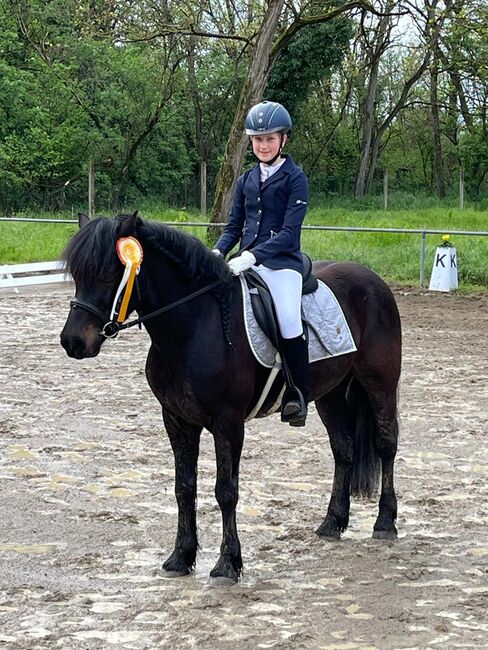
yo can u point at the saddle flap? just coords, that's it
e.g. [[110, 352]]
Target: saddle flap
[[262, 305]]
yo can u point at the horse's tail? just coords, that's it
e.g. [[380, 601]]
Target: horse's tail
[[366, 462]]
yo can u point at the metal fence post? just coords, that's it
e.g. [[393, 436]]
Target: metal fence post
[[422, 259], [91, 189]]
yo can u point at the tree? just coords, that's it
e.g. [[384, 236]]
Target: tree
[[376, 43], [267, 46]]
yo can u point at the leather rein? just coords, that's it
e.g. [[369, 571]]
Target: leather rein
[[111, 328]]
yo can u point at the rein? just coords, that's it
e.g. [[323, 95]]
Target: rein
[[111, 328], [130, 253]]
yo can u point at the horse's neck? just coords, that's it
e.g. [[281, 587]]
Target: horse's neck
[[161, 288]]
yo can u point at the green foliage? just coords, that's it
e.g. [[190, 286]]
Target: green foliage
[[306, 60], [78, 82], [474, 155]]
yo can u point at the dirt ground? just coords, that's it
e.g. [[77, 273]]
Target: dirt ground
[[89, 515]]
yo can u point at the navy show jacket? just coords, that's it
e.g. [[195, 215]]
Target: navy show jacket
[[267, 217]]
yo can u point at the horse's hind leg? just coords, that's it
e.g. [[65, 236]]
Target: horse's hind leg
[[382, 398], [332, 409], [228, 447], [185, 440], [386, 440]]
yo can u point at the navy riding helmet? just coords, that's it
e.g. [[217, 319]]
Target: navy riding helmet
[[268, 117]]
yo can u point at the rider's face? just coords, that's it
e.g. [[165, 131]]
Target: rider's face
[[265, 147]]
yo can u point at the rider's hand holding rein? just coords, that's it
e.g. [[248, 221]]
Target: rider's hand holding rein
[[242, 263]]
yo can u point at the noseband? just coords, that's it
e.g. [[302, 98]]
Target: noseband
[[111, 327]]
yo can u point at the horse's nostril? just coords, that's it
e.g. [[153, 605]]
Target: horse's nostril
[[74, 346]]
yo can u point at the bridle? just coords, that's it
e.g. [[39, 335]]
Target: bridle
[[111, 328], [115, 321]]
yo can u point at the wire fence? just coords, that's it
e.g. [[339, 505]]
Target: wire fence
[[390, 251]]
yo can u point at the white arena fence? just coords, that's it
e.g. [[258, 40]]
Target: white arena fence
[[18, 275], [15, 275]]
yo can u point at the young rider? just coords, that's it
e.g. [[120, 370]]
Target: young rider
[[267, 213]]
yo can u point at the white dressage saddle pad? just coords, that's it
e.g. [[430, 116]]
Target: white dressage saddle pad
[[328, 332]]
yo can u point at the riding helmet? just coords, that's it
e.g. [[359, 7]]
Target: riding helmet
[[268, 117]]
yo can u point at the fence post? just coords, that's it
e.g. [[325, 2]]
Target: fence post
[[461, 188], [203, 187], [91, 189], [422, 260], [385, 189]]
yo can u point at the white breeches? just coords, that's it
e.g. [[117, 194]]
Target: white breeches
[[285, 286]]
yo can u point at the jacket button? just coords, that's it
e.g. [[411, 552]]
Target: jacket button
[[259, 198], [257, 223], [259, 211]]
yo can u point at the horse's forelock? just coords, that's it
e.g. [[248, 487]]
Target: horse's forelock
[[90, 253]]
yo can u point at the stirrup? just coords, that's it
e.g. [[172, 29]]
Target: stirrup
[[294, 409]]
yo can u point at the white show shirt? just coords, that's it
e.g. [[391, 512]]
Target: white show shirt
[[268, 170]]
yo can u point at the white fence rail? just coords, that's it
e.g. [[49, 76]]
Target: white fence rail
[[19, 275]]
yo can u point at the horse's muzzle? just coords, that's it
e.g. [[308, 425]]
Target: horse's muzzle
[[76, 347]]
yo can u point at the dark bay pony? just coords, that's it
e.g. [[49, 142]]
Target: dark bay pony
[[203, 373]]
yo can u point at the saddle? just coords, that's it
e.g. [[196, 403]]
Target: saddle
[[262, 302]]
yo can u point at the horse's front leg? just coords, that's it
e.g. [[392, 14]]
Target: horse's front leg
[[228, 447], [185, 440]]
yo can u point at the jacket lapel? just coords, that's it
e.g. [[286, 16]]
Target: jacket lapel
[[255, 176]]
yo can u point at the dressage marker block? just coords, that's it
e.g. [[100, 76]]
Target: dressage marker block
[[17, 275], [444, 271]]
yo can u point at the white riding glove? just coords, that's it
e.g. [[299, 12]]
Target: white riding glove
[[242, 263], [216, 251]]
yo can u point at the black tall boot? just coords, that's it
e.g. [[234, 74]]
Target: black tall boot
[[294, 403]]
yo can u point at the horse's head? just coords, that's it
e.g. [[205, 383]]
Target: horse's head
[[92, 260]]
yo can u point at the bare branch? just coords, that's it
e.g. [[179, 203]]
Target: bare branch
[[189, 30]]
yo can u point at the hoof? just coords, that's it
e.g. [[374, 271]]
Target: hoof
[[385, 534], [328, 532], [222, 581], [174, 574], [225, 572], [175, 566]]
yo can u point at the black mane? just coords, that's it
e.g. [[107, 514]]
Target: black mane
[[91, 251], [90, 255], [194, 259]]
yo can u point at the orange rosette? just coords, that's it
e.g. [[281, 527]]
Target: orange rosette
[[129, 249]]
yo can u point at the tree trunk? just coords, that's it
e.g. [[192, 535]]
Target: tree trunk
[[380, 45], [203, 187], [200, 143], [367, 131], [251, 93], [436, 130], [373, 161]]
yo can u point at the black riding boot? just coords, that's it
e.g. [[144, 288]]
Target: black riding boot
[[294, 403]]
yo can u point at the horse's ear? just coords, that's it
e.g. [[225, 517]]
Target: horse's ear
[[128, 224], [82, 219]]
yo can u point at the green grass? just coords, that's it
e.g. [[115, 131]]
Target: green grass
[[396, 257]]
